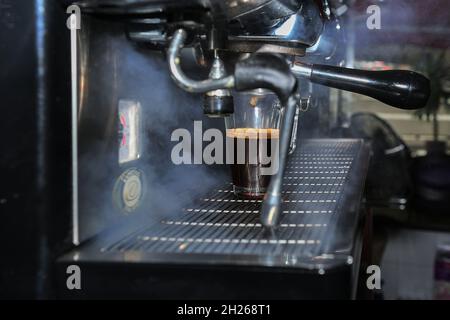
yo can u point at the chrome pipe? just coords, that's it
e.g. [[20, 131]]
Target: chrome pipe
[[180, 78]]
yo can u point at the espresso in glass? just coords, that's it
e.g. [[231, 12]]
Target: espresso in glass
[[253, 130], [253, 160]]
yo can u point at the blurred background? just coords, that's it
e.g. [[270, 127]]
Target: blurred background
[[409, 181]]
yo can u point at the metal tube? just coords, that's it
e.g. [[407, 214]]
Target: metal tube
[[177, 43], [301, 70], [271, 207]]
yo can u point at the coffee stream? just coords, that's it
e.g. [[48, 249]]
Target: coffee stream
[[259, 145]]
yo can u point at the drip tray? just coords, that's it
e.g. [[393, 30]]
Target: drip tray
[[322, 191]]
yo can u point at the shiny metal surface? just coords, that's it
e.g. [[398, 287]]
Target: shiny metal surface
[[271, 207], [301, 70], [330, 44], [285, 23], [322, 189], [245, 10], [301, 28], [181, 79], [218, 72], [261, 11]]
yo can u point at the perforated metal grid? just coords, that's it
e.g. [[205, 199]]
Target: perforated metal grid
[[315, 184]]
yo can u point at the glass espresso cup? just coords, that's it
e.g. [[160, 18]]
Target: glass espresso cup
[[253, 133]]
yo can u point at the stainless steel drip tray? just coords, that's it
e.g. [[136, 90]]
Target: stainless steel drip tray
[[322, 190]]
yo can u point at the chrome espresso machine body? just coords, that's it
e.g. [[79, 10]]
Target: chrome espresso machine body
[[147, 67]]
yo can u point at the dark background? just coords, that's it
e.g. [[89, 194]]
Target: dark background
[[35, 144]]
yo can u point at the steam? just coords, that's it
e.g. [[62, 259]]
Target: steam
[[121, 71], [166, 108]]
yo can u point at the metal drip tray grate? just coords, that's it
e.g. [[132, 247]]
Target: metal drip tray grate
[[322, 184]]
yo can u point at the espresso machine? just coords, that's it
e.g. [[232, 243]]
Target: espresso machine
[[144, 227]]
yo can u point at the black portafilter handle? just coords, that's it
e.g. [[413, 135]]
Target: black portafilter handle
[[398, 88]]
